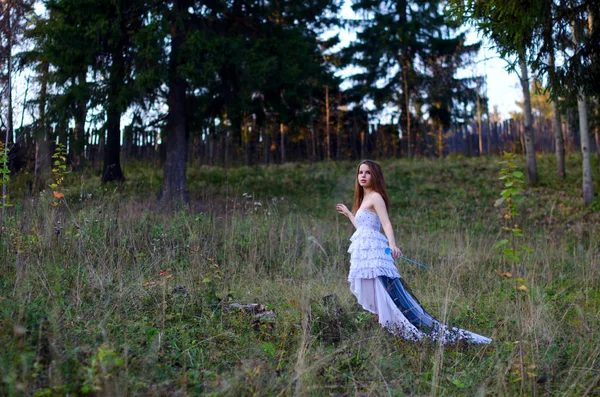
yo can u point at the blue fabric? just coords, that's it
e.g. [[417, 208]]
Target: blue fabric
[[408, 304]]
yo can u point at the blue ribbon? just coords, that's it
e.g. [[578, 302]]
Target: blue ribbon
[[388, 251]]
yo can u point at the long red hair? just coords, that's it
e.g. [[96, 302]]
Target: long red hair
[[378, 185]]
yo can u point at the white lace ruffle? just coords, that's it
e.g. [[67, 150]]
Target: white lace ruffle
[[372, 272], [368, 258]]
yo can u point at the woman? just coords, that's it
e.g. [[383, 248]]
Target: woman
[[374, 279]]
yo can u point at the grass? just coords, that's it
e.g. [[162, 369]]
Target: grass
[[110, 294]]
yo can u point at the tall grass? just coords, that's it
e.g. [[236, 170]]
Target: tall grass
[[109, 294]]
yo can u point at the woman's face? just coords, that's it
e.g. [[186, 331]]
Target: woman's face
[[365, 178]]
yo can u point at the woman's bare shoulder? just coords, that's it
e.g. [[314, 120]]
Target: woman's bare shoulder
[[376, 197]]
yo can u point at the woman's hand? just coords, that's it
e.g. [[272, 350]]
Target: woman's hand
[[342, 209], [395, 251]]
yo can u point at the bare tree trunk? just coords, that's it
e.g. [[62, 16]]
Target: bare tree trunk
[[558, 136], [112, 152], [42, 151], [362, 144], [479, 131], [78, 138], [327, 122], [441, 142], [338, 128], [313, 140], [559, 140], [407, 108], [9, 130], [267, 144], [282, 137], [588, 189], [527, 126]]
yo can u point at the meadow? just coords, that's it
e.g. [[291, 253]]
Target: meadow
[[108, 293]]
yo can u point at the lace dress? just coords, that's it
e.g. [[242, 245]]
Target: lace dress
[[375, 282]]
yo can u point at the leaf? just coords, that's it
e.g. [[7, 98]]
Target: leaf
[[53, 186], [526, 248], [520, 280], [501, 243], [457, 383], [499, 202], [518, 174], [522, 288], [58, 195]]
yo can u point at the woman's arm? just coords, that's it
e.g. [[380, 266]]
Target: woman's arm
[[342, 209], [382, 213]]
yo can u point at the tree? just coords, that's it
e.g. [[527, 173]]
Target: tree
[[13, 18], [588, 189], [174, 182], [101, 38], [510, 25], [404, 49]]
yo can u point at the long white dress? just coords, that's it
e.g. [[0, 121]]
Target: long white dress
[[375, 282]]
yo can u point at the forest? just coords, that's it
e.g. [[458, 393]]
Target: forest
[[257, 82], [170, 170]]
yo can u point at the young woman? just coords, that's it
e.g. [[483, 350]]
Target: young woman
[[374, 279]]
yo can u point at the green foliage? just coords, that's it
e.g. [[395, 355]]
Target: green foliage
[[59, 169], [510, 196], [4, 176]]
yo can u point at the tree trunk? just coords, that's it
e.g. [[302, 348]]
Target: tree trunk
[[267, 144], [559, 140], [10, 117], [42, 150], [407, 108], [588, 189], [78, 138], [174, 182], [112, 150], [327, 122], [597, 136], [479, 130], [558, 136], [338, 128], [282, 137], [10, 131], [527, 125], [441, 141]]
